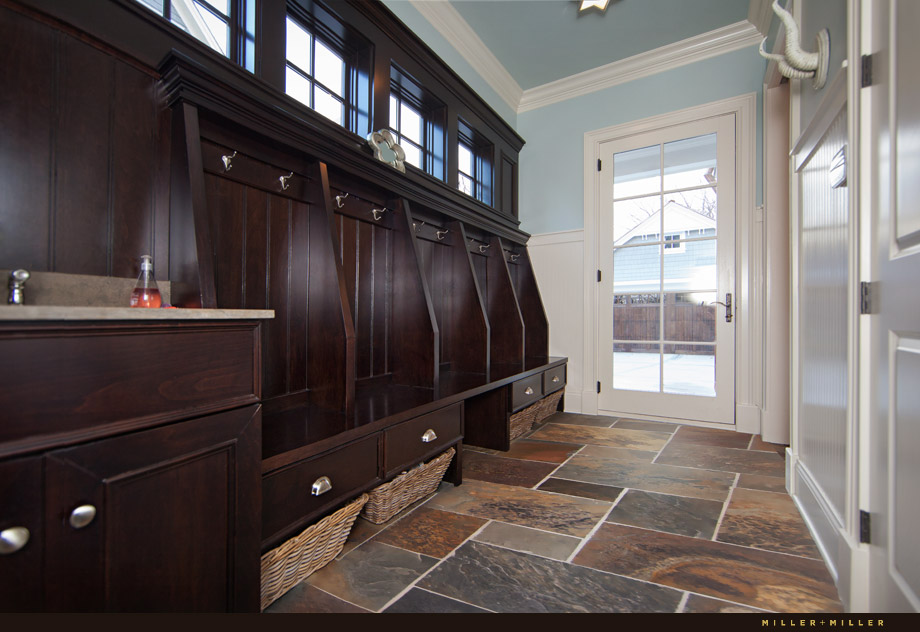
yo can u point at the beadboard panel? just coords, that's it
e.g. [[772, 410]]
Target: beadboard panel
[[558, 264]]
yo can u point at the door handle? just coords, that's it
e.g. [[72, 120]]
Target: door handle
[[727, 305]]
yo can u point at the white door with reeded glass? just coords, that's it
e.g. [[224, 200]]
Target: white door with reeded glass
[[666, 244]]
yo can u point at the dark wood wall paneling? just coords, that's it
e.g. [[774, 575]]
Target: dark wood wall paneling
[[536, 328], [83, 165]]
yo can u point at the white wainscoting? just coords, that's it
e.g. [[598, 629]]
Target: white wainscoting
[[558, 263]]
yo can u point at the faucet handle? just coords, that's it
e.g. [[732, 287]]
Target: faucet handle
[[18, 280]]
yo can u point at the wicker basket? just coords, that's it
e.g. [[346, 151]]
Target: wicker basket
[[522, 421], [548, 406], [387, 500], [288, 565]]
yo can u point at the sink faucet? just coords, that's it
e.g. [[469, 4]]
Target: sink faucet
[[18, 280]]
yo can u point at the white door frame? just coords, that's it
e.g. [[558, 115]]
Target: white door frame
[[749, 305]]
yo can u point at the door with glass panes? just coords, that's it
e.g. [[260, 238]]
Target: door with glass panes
[[666, 244]]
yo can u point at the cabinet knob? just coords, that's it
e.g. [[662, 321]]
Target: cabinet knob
[[429, 436], [555, 379], [82, 516], [321, 486], [528, 391], [13, 539]]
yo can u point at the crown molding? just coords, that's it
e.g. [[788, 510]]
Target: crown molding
[[461, 36], [720, 41], [760, 14]]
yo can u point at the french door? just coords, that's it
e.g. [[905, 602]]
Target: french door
[[666, 298]]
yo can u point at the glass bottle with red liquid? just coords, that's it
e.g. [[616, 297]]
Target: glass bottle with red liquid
[[146, 293]]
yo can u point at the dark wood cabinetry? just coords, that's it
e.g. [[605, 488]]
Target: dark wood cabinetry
[[139, 484]]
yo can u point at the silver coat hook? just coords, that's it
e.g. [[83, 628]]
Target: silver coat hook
[[284, 181], [417, 227], [514, 257], [482, 248], [441, 234], [228, 160], [340, 200], [378, 213]]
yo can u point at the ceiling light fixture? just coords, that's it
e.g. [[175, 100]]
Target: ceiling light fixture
[[601, 5]]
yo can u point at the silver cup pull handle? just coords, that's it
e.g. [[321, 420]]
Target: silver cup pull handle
[[13, 539], [555, 379], [321, 486], [82, 516], [429, 436], [528, 391]]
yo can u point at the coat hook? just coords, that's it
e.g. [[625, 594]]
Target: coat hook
[[284, 181], [441, 234], [417, 227], [378, 213], [339, 200], [514, 257], [227, 160], [482, 248]]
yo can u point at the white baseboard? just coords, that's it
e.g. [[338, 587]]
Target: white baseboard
[[573, 401], [747, 418]]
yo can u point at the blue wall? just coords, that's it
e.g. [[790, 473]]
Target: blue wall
[[551, 165]]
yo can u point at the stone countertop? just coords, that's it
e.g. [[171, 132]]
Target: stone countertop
[[56, 312]]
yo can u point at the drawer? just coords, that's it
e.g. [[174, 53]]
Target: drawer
[[410, 442], [288, 500], [525, 392], [553, 379]]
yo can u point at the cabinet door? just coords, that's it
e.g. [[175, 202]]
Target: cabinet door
[[161, 520], [21, 527]]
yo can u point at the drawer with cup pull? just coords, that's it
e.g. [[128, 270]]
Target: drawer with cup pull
[[553, 379], [526, 391], [415, 440], [293, 496]]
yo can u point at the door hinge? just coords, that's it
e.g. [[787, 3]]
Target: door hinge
[[598, 276], [865, 72], [598, 387], [865, 527], [865, 297], [598, 164]]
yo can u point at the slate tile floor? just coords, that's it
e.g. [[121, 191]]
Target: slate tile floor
[[589, 514]]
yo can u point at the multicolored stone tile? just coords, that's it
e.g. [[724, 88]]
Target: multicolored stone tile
[[578, 488], [697, 603], [430, 532], [508, 581], [757, 443], [763, 483], [527, 540], [608, 437], [712, 436], [582, 420], [371, 575], [723, 459], [674, 514], [619, 454], [525, 507], [651, 477], [306, 598], [766, 520], [418, 601], [500, 469], [653, 426], [762, 579]]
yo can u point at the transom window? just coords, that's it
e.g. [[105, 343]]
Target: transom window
[[417, 123], [227, 27], [315, 73], [474, 164]]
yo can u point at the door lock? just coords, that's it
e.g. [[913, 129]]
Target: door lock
[[727, 305]]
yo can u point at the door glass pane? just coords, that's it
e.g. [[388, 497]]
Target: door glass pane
[[690, 265], [692, 212], [637, 172], [297, 46], [689, 317], [637, 220], [637, 269], [690, 162], [636, 316], [637, 367], [689, 370]]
